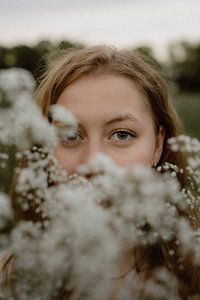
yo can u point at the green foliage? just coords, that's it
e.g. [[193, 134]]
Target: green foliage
[[67, 44], [148, 55], [188, 107], [31, 58], [185, 65]]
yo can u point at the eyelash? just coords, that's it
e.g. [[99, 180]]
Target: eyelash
[[65, 139], [130, 133]]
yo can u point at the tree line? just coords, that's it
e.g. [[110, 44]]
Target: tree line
[[182, 67]]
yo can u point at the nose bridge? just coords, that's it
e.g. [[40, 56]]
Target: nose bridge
[[93, 146]]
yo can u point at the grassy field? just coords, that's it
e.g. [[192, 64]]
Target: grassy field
[[188, 108]]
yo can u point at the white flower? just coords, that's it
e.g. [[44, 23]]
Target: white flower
[[5, 210], [15, 84], [62, 115]]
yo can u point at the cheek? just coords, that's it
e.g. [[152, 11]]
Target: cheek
[[139, 153], [67, 162], [133, 159]]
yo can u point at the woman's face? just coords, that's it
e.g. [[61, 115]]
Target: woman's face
[[114, 118]]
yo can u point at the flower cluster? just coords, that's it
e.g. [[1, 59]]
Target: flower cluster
[[70, 235], [21, 121]]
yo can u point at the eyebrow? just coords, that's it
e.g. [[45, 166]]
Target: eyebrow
[[120, 118], [123, 117]]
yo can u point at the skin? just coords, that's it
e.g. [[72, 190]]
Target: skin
[[114, 118]]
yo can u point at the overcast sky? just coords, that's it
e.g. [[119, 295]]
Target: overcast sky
[[118, 22]]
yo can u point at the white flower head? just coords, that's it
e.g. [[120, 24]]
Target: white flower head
[[5, 210], [16, 84], [62, 115]]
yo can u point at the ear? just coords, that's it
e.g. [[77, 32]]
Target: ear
[[159, 145]]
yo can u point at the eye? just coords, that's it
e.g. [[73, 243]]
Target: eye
[[69, 137], [123, 136]]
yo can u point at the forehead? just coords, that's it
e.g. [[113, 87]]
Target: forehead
[[105, 95]]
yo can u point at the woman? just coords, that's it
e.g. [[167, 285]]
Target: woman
[[98, 80], [123, 110]]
